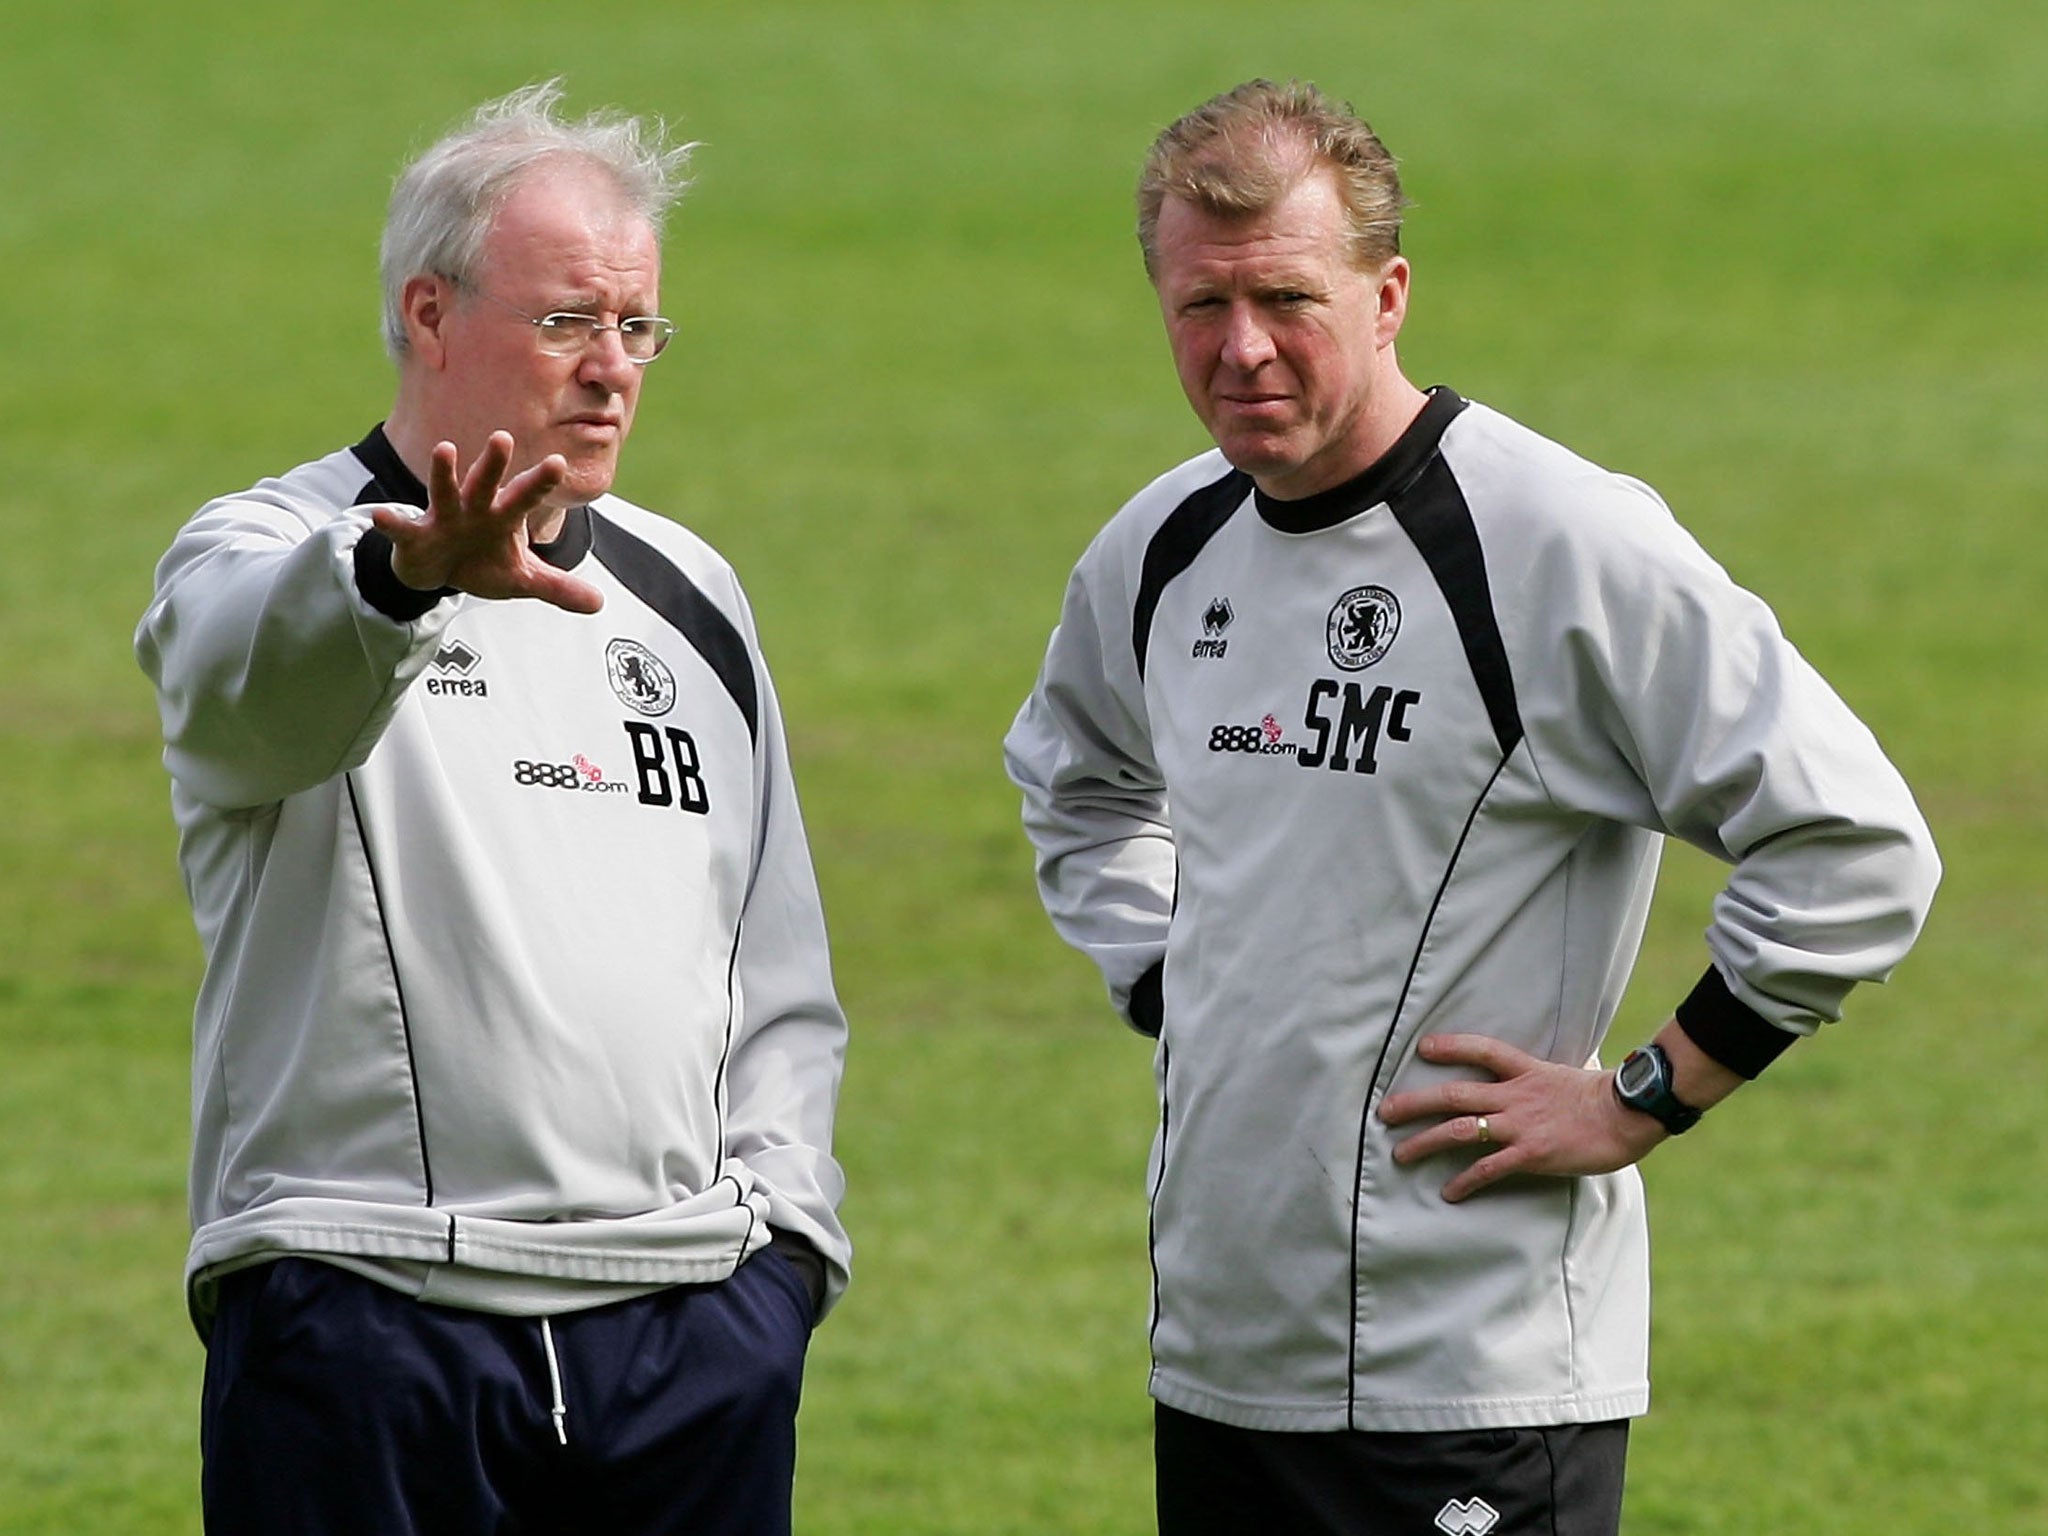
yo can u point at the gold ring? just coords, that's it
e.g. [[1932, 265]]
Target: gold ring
[[1485, 1131]]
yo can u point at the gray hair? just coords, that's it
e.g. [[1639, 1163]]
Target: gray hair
[[444, 202], [1240, 153]]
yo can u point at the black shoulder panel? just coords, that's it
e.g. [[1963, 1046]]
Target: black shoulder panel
[[390, 480], [1176, 543], [1433, 513], [653, 578]]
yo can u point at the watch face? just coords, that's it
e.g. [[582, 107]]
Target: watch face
[[1638, 1074]]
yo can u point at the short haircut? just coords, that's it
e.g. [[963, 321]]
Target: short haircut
[[444, 202], [1240, 153]]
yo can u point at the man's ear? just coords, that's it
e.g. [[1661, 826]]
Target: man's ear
[[1393, 300], [425, 303]]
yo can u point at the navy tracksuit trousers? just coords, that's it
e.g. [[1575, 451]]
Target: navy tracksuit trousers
[[335, 1406]]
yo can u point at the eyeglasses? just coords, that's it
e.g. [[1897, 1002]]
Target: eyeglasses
[[567, 333]]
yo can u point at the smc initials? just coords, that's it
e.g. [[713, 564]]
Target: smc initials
[[1352, 740]]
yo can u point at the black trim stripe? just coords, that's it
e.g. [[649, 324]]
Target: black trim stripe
[[1433, 513], [1417, 485], [732, 1019], [740, 1202], [419, 1109], [653, 578], [1152, 1201], [391, 480], [1374, 1088], [1382, 480], [1175, 545]]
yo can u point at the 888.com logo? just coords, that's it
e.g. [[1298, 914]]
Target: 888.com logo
[[581, 774], [1261, 740]]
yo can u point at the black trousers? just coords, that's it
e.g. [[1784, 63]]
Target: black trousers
[[1219, 1480], [335, 1406]]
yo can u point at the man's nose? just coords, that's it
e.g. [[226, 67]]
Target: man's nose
[[1246, 341], [604, 362]]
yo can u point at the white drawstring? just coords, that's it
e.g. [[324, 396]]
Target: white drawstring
[[560, 1411]]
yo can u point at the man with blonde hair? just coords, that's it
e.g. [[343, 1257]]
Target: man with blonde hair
[[517, 1049], [1349, 764]]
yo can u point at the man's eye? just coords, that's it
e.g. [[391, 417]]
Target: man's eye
[[566, 326]]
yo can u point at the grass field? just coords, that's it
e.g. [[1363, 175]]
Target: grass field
[[1789, 263]]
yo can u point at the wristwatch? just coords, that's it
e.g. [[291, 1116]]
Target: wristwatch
[[1643, 1082]]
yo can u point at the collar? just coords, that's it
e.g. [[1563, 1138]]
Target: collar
[[394, 482], [1380, 481]]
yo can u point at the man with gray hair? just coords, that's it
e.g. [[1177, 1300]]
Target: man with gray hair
[[1349, 764], [517, 1050]]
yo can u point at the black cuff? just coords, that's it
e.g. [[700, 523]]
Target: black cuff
[[1147, 1010], [1729, 1030], [384, 591], [809, 1263]]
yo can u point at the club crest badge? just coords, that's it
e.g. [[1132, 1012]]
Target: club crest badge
[[640, 678], [1362, 625]]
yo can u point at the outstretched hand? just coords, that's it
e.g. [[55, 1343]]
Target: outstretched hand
[[1539, 1116], [474, 535]]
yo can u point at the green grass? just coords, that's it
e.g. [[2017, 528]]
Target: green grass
[[1785, 262]]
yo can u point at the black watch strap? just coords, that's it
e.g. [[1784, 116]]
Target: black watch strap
[[1643, 1083]]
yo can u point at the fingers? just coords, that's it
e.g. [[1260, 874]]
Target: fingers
[[564, 591], [1459, 1131], [413, 559], [474, 536], [1461, 1097], [1551, 1120], [1487, 1171], [479, 488], [444, 486], [396, 520], [481, 492], [1482, 1051], [1469, 1115], [1473, 1133], [531, 487], [1458, 1098], [1501, 1151]]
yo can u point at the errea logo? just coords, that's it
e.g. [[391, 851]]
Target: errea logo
[[456, 657], [1216, 618], [455, 661], [1467, 1517]]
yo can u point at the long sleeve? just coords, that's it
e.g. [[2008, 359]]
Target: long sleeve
[[783, 1080], [1094, 801], [1682, 706], [273, 671]]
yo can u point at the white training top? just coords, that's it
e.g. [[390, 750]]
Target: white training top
[[1310, 780], [516, 990]]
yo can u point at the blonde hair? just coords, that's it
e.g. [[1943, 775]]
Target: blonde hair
[[1239, 153]]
